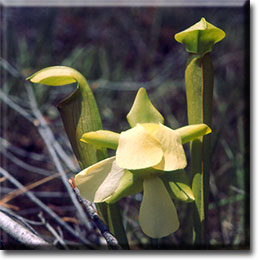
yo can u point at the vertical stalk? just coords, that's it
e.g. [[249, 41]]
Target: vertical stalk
[[199, 91], [116, 225], [198, 41]]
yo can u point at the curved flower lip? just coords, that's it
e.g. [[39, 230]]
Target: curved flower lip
[[55, 76], [157, 216], [150, 145], [98, 182]]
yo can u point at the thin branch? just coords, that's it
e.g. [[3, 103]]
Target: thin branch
[[10, 68], [44, 132], [21, 152], [22, 234], [52, 231], [18, 192], [30, 195], [40, 194], [40, 122], [65, 158], [48, 133], [26, 222], [87, 205], [24, 165], [15, 107], [9, 206]]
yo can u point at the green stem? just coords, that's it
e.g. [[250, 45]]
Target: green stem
[[115, 225], [198, 40], [199, 91]]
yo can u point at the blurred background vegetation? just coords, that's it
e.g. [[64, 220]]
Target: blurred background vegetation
[[120, 49]]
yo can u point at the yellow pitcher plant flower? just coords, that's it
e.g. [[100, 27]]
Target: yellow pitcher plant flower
[[150, 158]]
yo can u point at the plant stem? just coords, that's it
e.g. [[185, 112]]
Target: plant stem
[[199, 91], [198, 40], [116, 225]]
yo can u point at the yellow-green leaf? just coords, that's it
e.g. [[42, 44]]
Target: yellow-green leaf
[[191, 132], [102, 138], [79, 111], [143, 111], [55, 76], [138, 149], [200, 37], [177, 184], [157, 216]]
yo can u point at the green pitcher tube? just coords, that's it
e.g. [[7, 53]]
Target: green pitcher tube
[[79, 113], [199, 80]]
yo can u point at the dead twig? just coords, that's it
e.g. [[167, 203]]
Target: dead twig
[[21, 152], [26, 222], [22, 234], [42, 123], [87, 205], [45, 133], [15, 107], [24, 165], [32, 197], [52, 231], [19, 192], [40, 194]]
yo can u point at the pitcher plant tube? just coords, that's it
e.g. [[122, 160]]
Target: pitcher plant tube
[[199, 40], [79, 113]]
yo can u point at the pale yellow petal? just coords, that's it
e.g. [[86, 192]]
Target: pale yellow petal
[[157, 216], [173, 153], [138, 149], [99, 181], [152, 128]]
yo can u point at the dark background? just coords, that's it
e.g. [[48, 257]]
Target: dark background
[[118, 50]]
